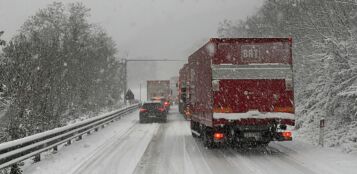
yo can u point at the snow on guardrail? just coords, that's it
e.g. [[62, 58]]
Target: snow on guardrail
[[27, 147]]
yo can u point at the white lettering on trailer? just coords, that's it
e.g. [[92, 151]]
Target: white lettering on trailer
[[264, 51], [251, 53]]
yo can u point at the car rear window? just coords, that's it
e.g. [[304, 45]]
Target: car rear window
[[161, 100], [151, 105]]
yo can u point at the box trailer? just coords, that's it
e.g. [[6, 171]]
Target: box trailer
[[240, 91], [158, 88]]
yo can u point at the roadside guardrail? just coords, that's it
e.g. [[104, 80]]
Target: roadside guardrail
[[19, 150]]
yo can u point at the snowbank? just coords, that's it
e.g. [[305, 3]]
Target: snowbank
[[54, 131], [341, 119]]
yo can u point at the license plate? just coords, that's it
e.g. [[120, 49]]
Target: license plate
[[255, 135]]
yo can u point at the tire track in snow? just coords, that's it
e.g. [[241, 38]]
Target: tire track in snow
[[309, 156], [174, 150], [267, 160], [103, 149]]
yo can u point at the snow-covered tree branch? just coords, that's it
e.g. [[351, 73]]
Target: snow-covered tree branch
[[58, 66]]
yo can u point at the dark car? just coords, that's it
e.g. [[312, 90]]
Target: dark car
[[152, 111]]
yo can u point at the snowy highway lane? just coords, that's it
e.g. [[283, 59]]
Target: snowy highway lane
[[115, 149], [129, 147], [174, 150]]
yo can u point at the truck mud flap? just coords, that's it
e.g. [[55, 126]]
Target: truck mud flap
[[195, 133]]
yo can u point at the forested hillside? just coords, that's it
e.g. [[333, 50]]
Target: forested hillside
[[58, 67], [324, 36]]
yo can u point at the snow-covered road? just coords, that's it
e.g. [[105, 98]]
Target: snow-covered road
[[173, 150], [128, 147], [115, 149]]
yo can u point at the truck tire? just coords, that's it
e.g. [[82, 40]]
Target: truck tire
[[164, 120], [194, 127], [207, 140], [264, 144]]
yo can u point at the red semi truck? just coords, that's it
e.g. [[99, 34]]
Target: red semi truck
[[158, 88], [240, 91]]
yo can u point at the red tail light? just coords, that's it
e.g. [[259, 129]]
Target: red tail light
[[143, 110], [286, 134], [161, 109], [166, 103], [218, 136]]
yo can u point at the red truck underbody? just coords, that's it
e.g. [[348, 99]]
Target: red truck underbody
[[240, 91]]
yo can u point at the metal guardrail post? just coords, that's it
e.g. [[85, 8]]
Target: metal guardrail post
[[37, 158], [55, 148], [79, 137]]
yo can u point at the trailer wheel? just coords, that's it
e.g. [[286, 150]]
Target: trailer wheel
[[264, 144], [194, 127], [164, 120], [207, 140]]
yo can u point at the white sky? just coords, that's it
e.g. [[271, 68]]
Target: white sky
[[170, 29]]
